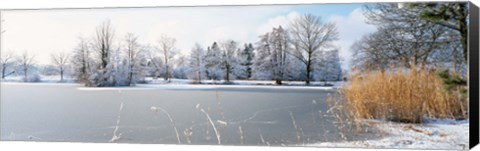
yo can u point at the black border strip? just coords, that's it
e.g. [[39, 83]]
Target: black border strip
[[473, 55]]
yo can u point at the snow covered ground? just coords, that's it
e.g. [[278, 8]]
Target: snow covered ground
[[434, 134]]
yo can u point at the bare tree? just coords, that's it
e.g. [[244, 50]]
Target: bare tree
[[156, 62], [309, 37], [197, 63], [60, 60], [6, 61], [372, 52], [81, 61], [103, 42], [452, 15], [133, 53], [26, 61], [401, 33], [167, 51]]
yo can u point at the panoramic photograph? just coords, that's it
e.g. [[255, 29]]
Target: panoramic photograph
[[359, 75]]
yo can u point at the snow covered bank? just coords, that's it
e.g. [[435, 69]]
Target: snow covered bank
[[208, 87], [434, 134], [185, 84], [40, 79], [177, 86], [243, 82]]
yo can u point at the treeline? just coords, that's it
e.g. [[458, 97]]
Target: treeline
[[432, 35], [304, 51]]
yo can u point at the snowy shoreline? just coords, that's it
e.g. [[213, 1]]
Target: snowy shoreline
[[185, 84], [442, 134]]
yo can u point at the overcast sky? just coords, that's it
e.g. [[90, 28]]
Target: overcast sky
[[42, 32]]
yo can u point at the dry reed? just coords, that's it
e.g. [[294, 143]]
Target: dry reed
[[402, 96]]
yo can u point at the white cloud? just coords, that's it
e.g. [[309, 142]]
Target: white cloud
[[277, 21], [350, 28]]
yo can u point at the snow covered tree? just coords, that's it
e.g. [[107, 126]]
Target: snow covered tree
[[26, 62], [229, 62], [262, 65], [212, 62], [167, 51], [272, 57], [246, 61], [196, 64], [310, 36], [180, 67], [155, 62], [60, 60], [119, 68], [81, 62], [135, 58], [48, 70], [6, 61], [330, 68], [279, 45], [103, 47]]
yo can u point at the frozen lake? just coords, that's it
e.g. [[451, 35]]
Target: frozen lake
[[242, 116]]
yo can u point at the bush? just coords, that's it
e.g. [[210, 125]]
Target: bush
[[402, 96], [32, 78]]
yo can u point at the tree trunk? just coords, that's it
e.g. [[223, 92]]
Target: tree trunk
[[198, 76], [307, 77], [464, 40], [166, 73], [3, 71], [464, 32], [25, 74], [61, 74], [278, 82], [227, 78], [130, 76]]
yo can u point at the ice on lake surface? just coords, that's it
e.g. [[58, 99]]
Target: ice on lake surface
[[67, 112]]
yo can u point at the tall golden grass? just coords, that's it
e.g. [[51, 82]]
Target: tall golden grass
[[402, 96]]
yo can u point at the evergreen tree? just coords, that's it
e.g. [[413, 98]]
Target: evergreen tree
[[246, 61], [212, 62]]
